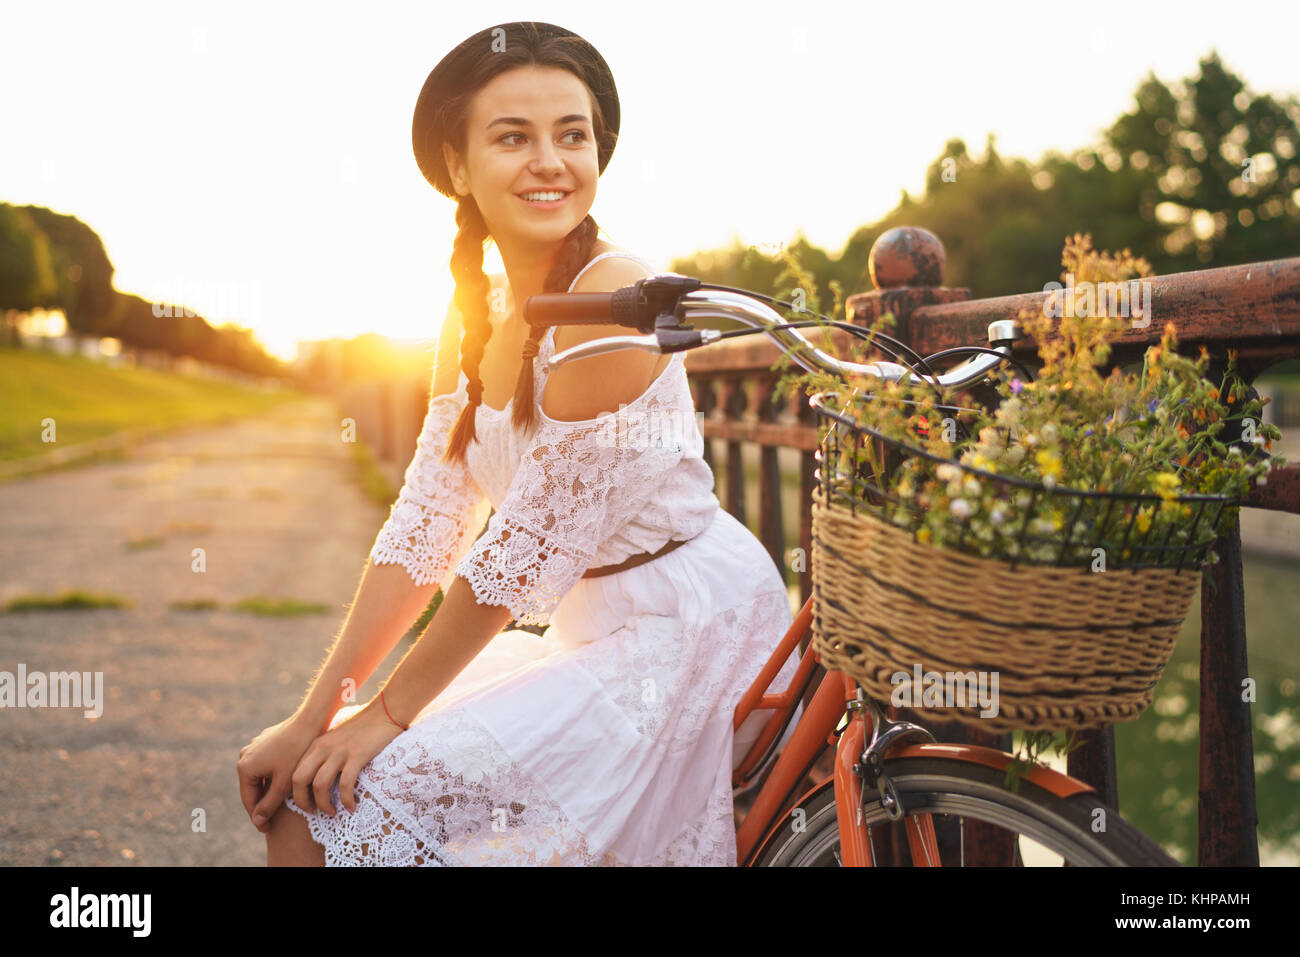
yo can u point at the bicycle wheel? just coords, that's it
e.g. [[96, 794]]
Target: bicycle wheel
[[1050, 829]]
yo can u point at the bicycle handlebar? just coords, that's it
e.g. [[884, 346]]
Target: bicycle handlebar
[[661, 306]]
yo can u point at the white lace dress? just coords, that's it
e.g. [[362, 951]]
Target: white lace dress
[[609, 738]]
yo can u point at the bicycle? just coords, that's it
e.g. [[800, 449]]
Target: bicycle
[[885, 771]]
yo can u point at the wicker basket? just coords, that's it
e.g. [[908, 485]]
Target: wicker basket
[[1070, 648]]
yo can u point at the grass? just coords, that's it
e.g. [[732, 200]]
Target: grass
[[374, 483], [70, 598], [88, 400], [279, 607], [195, 604], [156, 540]]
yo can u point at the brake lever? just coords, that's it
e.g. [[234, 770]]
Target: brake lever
[[662, 342], [658, 296]]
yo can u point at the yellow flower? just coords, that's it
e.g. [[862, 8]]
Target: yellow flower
[[923, 536], [1049, 463], [1144, 519], [1164, 484], [979, 461]]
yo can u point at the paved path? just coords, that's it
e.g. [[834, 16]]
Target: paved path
[[276, 504]]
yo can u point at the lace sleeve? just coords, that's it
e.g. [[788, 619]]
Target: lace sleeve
[[439, 509], [576, 482]]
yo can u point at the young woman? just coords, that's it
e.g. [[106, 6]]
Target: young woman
[[609, 739]]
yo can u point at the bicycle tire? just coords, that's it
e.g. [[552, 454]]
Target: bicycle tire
[[975, 792]]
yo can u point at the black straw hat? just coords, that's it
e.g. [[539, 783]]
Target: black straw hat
[[427, 128]]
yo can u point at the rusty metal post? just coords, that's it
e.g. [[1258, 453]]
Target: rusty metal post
[[906, 266], [1094, 763], [1226, 817]]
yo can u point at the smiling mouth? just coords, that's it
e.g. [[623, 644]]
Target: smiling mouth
[[549, 203]]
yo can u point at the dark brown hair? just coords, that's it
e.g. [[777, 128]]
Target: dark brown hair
[[472, 285]]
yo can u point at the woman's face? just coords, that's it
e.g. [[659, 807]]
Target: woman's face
[[529, 130]]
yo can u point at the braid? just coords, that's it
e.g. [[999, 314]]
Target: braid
[[472, 288], [573, 254]]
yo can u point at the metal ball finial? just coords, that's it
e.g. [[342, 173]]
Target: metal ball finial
[[906, 256]]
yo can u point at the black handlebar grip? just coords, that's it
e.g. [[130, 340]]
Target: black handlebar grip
[[586, 308], [567, 308]]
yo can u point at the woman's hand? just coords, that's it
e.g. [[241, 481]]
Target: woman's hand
[[272, 755], [341, 753]]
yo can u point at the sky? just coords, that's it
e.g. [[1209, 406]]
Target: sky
[[253, 160]]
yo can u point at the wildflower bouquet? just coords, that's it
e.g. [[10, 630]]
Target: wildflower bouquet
[[1144, 466], [964, 534]]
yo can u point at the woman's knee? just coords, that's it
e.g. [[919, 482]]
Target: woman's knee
[[289, 842]]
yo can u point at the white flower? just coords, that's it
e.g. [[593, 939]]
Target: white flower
[[947, 472], [1049, 432], [1049, 481], [997, 515], [971, 485], [961, 508]]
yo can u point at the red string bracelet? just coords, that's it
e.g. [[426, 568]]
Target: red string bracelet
[[390, 717]]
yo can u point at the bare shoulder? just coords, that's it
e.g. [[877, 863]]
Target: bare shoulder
[[585, 388]]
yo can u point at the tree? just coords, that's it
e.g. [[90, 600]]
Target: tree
[[1220, 167], [82, 271], [26, 268]]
